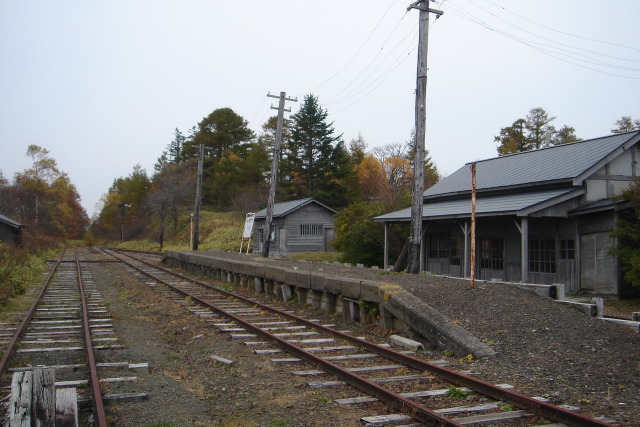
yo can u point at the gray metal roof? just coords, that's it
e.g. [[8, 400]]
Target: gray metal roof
[[284, 208], [519, 204], [10, 221], [561, 163]]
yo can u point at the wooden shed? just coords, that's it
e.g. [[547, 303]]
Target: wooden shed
[[542, 216], [303, 225], [10, 230]]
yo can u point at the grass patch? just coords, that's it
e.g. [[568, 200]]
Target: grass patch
[[20, 271], [622, 307]]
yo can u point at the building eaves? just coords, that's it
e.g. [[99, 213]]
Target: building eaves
[[517, 204], [11, 222]]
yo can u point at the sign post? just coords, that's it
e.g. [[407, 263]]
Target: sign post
[[248, 229]]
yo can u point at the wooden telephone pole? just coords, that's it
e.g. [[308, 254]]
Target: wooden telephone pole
[[196, 214], [274, 170], [415, 235]]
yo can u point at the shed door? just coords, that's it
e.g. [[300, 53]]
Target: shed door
[[597, 267], [283, 241], [329, 235]]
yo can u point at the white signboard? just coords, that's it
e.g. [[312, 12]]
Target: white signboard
[[248, 225]]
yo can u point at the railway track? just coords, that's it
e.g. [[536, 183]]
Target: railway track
[[408, 385], [62, 339]]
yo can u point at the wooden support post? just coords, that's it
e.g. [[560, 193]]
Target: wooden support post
[[473, 225]]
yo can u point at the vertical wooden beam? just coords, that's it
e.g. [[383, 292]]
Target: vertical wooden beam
[[44, 397], [473, 225], [524, 249], [387, 228]]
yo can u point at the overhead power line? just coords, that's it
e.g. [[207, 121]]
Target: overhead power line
[[570, 53]]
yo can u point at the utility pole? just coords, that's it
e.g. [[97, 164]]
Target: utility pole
[[274, 170], [415, 235], [196, 215]]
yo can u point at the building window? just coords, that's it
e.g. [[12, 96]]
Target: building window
[[438, 245], [568, 249], [274, 235], [311, 229], [456, 250], [542, 255], [492, 254]]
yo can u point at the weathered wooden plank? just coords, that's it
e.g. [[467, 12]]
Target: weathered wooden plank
[[78, 383], [222, 360], [44, 398], [66, 407], [364, 369], [384, 380], [493, 417], [75, 367], [20, 401], [53, 349], [334, 358], [381, 420], [411, 395]]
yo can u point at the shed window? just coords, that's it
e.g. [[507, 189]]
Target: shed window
[[438, 245], [311, 229], [568, 249], [492, 254], [542, 255]]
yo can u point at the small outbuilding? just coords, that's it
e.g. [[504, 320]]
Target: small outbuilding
[[303, 225], [10, 230]]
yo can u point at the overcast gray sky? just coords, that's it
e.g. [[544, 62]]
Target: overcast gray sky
[[103, 85]]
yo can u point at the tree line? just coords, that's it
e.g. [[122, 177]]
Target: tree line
[[536, 131], [358, 181], [43, 198], [315, 161]]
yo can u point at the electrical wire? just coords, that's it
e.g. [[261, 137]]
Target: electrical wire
[[554, 50], [345, 96], [551, 40], [371, 62], [353, 58], [559, 31]]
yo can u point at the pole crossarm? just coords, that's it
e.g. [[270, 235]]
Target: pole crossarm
[[418, 5]]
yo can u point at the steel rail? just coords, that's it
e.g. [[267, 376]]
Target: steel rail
[[522, 401], [11, 348], [410, 407], [98, 403]]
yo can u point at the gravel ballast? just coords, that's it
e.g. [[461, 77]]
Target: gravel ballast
[[542, 347]]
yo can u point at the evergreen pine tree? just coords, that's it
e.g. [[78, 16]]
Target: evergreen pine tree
[[316, 162]]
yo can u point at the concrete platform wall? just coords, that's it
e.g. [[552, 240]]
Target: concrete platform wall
[[357, 300]]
